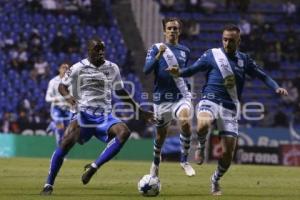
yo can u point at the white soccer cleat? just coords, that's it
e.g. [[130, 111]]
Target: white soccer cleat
[[188, 169], [215, 188], [154, 170]]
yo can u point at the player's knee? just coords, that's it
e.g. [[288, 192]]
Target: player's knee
[[185, 126], [161, 134], [67, 143], [184, 115], [70, 137], [60, 126], [204, 121], [124, 134], [203, 126]]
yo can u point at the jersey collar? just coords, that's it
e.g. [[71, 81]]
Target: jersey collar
[[236, 55], [87, 62]]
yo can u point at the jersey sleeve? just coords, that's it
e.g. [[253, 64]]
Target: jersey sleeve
[[117, 82], [150, 62], [188, 53], [49, 93], [202, 64], [255, 71], [70, 76]]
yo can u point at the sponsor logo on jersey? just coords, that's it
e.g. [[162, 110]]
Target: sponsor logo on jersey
[[183, 54], [240, 63]]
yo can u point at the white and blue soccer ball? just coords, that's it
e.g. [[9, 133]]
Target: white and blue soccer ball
[[149, 185]]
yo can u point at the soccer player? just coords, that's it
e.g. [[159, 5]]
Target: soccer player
[[172, 97], [226, 70], [60, 109], [92, 82]]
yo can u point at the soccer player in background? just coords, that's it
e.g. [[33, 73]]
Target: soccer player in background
[[226, 70], [92, 82], [172, 96], [60, 108]]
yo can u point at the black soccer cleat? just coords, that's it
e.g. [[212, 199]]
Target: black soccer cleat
[[200, 156], [87, 175], [47, 190]]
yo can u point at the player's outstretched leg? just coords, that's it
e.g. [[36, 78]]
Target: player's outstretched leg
[[158, 143], [228, 146], [204, 121], [57, 159], [185, 139], [119, 134]]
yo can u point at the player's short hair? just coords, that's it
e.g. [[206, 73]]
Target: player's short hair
[[171, 19], [95, 41], [231, 27]]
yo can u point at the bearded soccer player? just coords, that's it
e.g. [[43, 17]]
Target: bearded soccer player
[[226, 70]]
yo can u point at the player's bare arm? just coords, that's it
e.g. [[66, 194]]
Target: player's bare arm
[[63, 90]]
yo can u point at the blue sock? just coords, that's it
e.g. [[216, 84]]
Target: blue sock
[[56, 162], [59, 135], [112, 149]]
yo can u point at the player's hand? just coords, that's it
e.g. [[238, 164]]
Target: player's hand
[[161, 50], [147, 116], [174, 71], [282, 91], [71, 100]]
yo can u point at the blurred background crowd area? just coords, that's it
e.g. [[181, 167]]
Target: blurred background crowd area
[[38, 35]]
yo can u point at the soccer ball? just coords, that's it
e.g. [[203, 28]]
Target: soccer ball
[[149, 185]]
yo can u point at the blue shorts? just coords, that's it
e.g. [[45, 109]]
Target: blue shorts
[[95, 125], [60, 115]]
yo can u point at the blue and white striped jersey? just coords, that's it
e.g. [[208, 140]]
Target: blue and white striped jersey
[[166, 88], [214, 88]]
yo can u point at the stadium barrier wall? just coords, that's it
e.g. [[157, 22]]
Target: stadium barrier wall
[[12, 145], [264, 146]]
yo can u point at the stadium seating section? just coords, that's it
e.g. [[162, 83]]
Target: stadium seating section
[[18, 84]]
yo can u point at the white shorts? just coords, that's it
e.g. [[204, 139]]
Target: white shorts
[[167, 111], [226, 119]]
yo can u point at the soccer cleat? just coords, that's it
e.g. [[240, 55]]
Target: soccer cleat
[[47, 190], [200, 156], [87, 175], [154, 170], [188, 169], [215, 188]]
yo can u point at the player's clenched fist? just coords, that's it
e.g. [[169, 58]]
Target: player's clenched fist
[[161, 50]]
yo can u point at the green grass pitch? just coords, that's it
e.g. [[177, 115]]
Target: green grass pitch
[[23, 178]]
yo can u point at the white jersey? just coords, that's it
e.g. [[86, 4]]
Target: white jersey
[[53, 96], [92, 86]]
